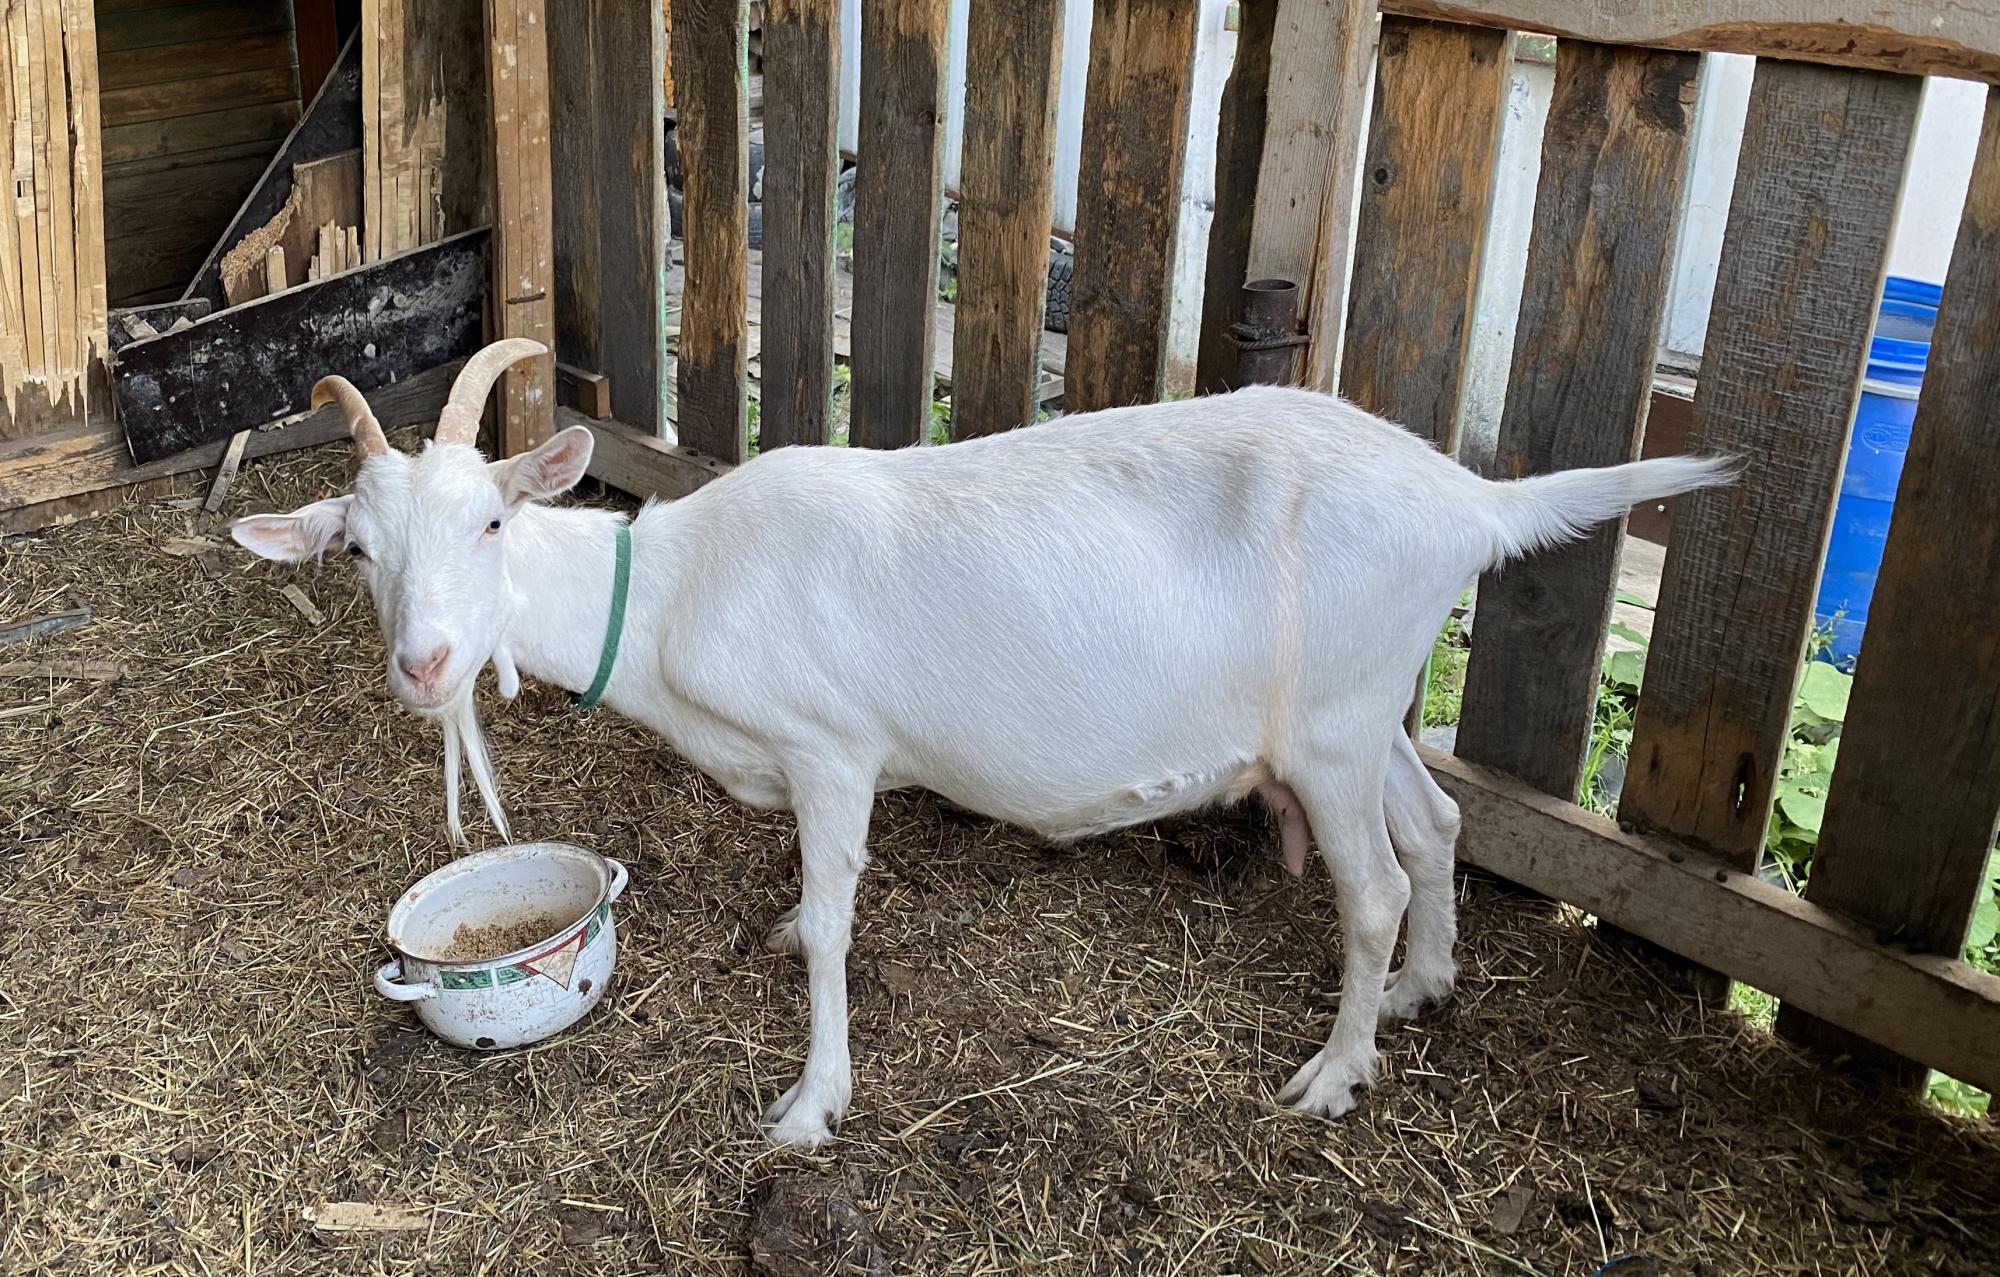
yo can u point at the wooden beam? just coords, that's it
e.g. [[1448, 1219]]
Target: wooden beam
[[1916, 791], [1004, 213], [424, 123], [1606, 212], [1426, 194], [610, 197], [1915, 37], [801, 163], [58, 478], [712, 132], [897, 204], [1305, 186], [641, 463], [1134, 143], [517, 71], [257, 362], [332, 124], [1239, 153], [1930, 1008]]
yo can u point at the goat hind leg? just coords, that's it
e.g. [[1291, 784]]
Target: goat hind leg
[[1423, 826]]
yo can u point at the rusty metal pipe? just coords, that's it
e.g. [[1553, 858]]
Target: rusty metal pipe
[[1267, 338]]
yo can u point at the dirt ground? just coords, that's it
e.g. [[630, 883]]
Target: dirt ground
[[1065, 1057]]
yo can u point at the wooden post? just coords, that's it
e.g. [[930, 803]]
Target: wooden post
[[1015, 49], [1916, 791], [1802, 262], [1606, 212], [1305, 184], [711, 94], [897, 203], [801, 162], [1134, 141], [1239, 151], [523, 256], [609, 190]]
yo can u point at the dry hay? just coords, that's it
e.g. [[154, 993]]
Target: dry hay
[[1065, 1057]]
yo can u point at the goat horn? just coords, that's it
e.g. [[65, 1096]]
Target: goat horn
[[458, 421], [369, 440]]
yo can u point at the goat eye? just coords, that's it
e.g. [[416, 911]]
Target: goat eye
[[355, 552], [493, 526]]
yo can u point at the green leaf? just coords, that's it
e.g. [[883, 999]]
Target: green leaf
[[1632, 600], [1626, 669], [1824, 691], [1630, 635], [1985, 923], [1804, 809]]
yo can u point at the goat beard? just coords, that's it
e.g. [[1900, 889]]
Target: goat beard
[[463, 741]]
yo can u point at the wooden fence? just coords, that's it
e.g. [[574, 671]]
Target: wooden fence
[[1866, 963]]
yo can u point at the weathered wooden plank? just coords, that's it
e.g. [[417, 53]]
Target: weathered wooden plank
[[190, 23], [1134, 135], [424, 123], [1305, 188], [517, 72], [330, 125], [639, 461], [184, 133], [257, 362], [712, 132], [1802, 262], [1915, 37], [1004, 212], [168, 64], [56, 478], [1239, 154], [1916, 791], [801, 161], [1427, 188], [610, 197], [226, 91], [1930, 1008], [897, 204], [86, 154], [1606, 212]]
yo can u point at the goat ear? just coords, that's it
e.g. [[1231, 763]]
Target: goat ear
[[548, 471], [306, 533]]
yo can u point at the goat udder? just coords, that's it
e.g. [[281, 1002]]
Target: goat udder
[[1293, 831]]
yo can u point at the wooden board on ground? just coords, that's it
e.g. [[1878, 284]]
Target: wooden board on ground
[[610, 198], [1909, 823], [1134, 133], [57, 478], [1005, 206], [801, 161], [1802, 260], [713, 138], [897, 203], [1427, 188], [523, 305], [255, 363], [1606, 213], [1239, 153]]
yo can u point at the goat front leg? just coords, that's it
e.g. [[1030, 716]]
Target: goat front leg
[[833, 848]]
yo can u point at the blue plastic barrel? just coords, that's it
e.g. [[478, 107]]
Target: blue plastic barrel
[[1875, 452]]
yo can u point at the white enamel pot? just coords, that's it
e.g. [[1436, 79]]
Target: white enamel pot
[[514, 998]]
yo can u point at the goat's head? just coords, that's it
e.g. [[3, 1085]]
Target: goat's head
[[427, 534]]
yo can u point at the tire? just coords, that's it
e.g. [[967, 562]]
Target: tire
[[1055, 306], [674, 219]]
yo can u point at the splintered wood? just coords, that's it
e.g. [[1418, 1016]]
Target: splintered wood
[[52, 299], [423, 122]]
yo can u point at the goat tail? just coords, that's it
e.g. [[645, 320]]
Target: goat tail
[[1551, 509]]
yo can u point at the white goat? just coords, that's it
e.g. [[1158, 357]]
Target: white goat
[[1073, 627]]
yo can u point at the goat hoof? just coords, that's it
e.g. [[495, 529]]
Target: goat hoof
[[1329, 1087], [783, 937], [799, 1120], [1407, 993]]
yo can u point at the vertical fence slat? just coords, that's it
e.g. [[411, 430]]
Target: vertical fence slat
[[898, 199], [1802, 261], [517, 73], [1606, 209], [711, 104], [1014, 48], [610, 214], [1134, 140], [801, 161], [1426, 191], [1305, 189], [1916, 790], [1239, 153]]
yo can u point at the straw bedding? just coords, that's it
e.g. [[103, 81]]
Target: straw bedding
[[1065, 1057]]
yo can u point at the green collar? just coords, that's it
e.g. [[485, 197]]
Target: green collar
[[614, 629]]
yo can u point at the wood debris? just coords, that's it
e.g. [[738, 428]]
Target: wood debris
[[38, 626], [367, 1217], [298, 599]]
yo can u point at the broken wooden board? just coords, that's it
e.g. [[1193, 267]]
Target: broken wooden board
[[130, 323], [332, 124], [255, 363]]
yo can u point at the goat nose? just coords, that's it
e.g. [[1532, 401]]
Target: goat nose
[[424, 668]]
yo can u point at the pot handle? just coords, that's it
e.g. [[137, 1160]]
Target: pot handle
[[619, 877], [388, 983]]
